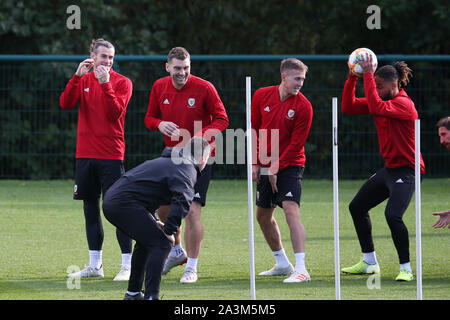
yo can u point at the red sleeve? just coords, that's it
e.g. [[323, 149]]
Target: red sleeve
[[400, 108], [217, 111], [117, 100], [256, 124], [153, 116], [298, 139], [71, 94], [351, 104]]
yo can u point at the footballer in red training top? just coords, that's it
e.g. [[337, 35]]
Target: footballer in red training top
[[103, 96], [394, 115], [282, 109], [182, 106]]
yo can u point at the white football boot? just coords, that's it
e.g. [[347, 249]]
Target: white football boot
[[189, 276], [88, 272], [277, 271], [173, 261], [124, 274], [298, 276]]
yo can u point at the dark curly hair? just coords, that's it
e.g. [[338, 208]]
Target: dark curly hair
[[399, 72]]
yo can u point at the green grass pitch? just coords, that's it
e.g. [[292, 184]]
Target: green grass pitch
[[42, 234]]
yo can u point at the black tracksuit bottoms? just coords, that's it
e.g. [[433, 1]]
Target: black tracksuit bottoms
[[395, 184], [152, 246]]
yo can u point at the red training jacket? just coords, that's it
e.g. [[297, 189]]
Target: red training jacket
[[198, 100], [394, 120], [292, 117], [101, 114]]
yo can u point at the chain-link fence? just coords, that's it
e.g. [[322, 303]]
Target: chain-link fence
[[38, 138]]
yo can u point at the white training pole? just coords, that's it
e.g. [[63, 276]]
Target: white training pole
[[418, 211], [248, 86], [337, 275]]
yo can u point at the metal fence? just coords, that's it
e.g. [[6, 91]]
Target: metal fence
[[38, 138]]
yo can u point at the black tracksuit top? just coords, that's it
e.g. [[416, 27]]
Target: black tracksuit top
[[169, 179]]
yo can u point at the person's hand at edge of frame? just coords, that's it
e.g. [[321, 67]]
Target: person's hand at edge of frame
[[443, 221]]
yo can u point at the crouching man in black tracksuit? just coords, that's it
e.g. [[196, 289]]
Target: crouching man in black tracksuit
[[131, 200]]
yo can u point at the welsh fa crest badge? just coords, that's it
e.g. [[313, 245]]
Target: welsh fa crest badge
[[290, 114], [191, 102]]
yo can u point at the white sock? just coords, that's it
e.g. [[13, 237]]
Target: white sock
[[192, 264], [370, 257], [177, 250], [95, 258], [131, 293], [406, 266], [126, 259], [300, 262], [281, 259]]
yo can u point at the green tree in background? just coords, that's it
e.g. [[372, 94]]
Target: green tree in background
[[226, 26], [37, 139]]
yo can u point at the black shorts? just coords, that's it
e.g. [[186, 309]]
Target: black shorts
[[94, 176], [201, 187], [289, 184]]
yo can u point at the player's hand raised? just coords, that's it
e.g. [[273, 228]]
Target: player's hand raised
[[350, 71], [367, 64], [84, 67], [102, 74]]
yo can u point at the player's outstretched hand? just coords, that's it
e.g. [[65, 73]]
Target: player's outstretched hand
[[84, 67], [444, 219]]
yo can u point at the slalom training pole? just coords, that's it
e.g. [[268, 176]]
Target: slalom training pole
[[337, 275], [418, 210], [248, 87]]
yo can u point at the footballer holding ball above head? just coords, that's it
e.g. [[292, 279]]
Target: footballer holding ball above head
[[394, 115], [103, 96]]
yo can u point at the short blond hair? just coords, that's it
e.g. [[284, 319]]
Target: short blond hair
[[292, 64]]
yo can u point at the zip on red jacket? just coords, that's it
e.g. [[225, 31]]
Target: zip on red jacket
[[197, 101], [101, 114], [394, 120], [291, 117]]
